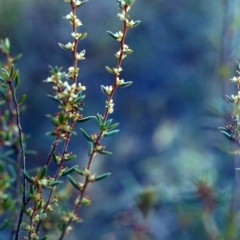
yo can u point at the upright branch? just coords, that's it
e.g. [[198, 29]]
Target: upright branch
[[105, 126]]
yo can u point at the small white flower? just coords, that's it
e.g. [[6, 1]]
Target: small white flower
[[76, 3], [109, 105], [129, 24], [108, 89], [235, 79], [121, 16], [80, 56], [78, 22], [70, 46], [76, 35], [70, 16], [118, 55], [117, 70], [119, 36], [119, 82], [80, 88]]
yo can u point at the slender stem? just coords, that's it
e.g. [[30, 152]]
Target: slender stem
[[23, 162], [97, 142]]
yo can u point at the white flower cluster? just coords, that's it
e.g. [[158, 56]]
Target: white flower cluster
[[235, 79], [109, 105], [108, 89], [117, 70], [236, 98], [73, 19], [126, 50]]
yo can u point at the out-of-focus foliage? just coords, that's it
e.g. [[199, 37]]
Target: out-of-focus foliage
[[183, 57]]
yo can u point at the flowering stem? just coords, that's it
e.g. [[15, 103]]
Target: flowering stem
[[97, 142]]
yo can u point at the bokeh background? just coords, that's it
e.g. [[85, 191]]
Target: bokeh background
[[169, 144]]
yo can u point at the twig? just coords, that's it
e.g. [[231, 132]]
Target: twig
[[23, 162]]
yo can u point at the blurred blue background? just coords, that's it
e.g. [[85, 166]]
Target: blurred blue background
[[184, 54]]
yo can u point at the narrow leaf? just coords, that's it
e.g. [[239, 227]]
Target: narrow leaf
[[80, 172], [82, 2], [43, 173], [16, 80], [85, 119], [136, 23], [86, 135], [70, 170], [109, 70], [27, 176], [100, 177], [64, 47], [125, 84], [112, 35], [22, 99], [71, 158], [53, 184], [104, 152], [111, 133], [73, 182], [230, 137]]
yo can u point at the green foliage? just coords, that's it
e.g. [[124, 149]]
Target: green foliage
[[34, 198]]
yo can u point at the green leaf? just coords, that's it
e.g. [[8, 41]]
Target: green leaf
[[2, 79], [110, 70], [71, 158], [55, 158], [112, 126], [7, 43], [55, 121], [80, 172], [11, 71], [55, 99], [238, 66], [32, 189], [99, 120], [15, 59], [90, 148], [108, 122], [53, 184], [104, 152], [43, 173], [70, 170], [5, 74], [83, 35], [27, 176], [100, 177], [16, 79], [84, 119], [104, 90], [136, 23], [131, 2], [61, 118], [82, 2], [22, 99], [86, 135], [112, 35], [230, 137], [111, 133], [64, 47], [229, 99], [73, 182], [79, 99], [125, 84]]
